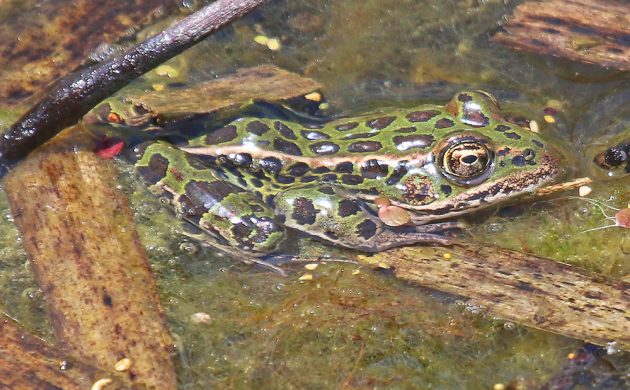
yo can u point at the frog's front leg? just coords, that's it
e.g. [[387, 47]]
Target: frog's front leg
[[326, 212]]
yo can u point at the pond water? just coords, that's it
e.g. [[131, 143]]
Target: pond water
[[351, 326]]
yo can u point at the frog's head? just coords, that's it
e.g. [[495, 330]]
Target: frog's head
[[481, 161]]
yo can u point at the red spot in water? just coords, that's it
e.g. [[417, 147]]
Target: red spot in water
[[109, 147]]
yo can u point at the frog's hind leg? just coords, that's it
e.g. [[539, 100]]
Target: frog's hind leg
[[327, 213]]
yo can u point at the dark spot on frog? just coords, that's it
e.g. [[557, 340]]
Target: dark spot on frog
[[347, 208], [366, 229], [304, 212], [538, 143], [519, 161], [313, 126], [374, 169], [257, 127], [258, 195], [422, 116], [197, 163], [347, 126], [503, 152], [308, 179], [203, 195], [446, 189], [444, 123], [320, 170], [314, 135], [399, 172], [287, 147], [222, 135], [242, 182], [406, 142], [256, 182], [359, 135], [351, 180], [270, 200], [326, 190], [272, 165], [107, 300], [156, 169], [512, 135], [380, 123], [364, 146], [529, 154], [284, 130], [410, 129], [285, 179], [298, 169], [324, 148], [329, 178], [502, 128], [344, 167]]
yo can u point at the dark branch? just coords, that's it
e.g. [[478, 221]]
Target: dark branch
[[74, 97]]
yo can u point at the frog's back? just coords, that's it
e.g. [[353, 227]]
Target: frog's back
[[390, 133]]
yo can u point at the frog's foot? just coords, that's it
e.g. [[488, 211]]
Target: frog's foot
[[328, 213]]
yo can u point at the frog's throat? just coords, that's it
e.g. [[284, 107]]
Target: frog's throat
[[489, 194]]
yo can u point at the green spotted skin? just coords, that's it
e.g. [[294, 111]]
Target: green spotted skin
[[435, 161]]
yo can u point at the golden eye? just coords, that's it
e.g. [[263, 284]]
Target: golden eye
[[467, 162]]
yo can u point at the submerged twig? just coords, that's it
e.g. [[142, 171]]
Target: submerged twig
[[74, 97]]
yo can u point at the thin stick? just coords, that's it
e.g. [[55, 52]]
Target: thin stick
[[75, 96]]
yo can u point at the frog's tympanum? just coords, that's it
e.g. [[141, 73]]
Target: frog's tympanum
[[248, 181]]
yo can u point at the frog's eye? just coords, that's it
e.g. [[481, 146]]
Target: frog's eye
[[467, 162]]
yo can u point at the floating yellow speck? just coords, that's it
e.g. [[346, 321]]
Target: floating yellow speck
[[123, 364], [306, 277], [311, 266], [447, 256], [383, 265], [158, 87], [356, 272], [314, 96], [549, 119], [584, 191], [571, 356], [261, 40], [166, 71], [274, 44], [324, 106], [533, 126], [498, 386], [101, 383]]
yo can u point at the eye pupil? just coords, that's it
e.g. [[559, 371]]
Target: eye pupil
[[469, 159]]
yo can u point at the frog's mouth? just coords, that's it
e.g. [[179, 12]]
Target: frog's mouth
[[489, 194]]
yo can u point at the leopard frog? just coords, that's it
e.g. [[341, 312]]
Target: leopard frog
[[248, 181]]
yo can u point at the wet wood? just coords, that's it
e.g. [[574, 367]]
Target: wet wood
[[588, 31], [40, 44], [78, 231], [267, 83], [28, 362], [526, 289], [75, 95]]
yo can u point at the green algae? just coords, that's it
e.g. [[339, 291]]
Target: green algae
[[367, 329]]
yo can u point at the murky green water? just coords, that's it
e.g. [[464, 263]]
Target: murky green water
[[354, 327]]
